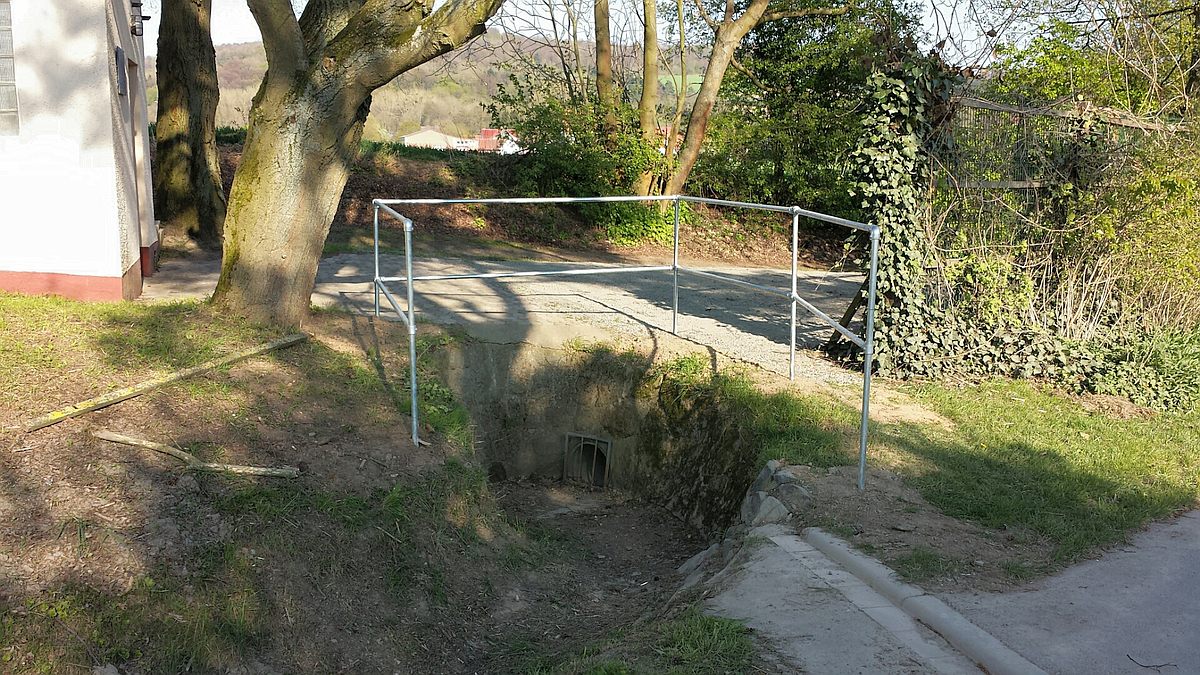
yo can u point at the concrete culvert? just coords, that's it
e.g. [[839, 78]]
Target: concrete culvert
[[548, 404]]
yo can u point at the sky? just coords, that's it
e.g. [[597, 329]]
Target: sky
[[232, 23]]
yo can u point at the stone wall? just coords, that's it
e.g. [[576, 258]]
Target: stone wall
[[670, 444]]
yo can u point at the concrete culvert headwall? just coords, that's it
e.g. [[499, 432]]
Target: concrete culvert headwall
[[558, 402]]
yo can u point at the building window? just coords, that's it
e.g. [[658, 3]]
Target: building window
[[9, 122]]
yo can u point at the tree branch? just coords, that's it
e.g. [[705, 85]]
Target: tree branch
[[281, 37], [737, 65], [429, 35], [704, 15], [801, 13], [322, 20]]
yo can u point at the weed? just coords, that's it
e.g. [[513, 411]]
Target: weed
[[1020, 571], [922, 564], [692, 643]]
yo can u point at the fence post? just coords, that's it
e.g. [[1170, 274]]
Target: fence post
[[412, 330], [675, 273], [376, 283], [868, 357]]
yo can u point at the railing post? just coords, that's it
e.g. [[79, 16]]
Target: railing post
[[795, 291], [868, 357], [376, 283], [675, 272], [412, 331]]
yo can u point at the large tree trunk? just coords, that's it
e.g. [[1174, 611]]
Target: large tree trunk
[[648, 103], [605, 92], [305, 125], [187, 173], [285, 194]]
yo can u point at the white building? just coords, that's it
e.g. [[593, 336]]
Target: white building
[[432, 138], [76, 217]]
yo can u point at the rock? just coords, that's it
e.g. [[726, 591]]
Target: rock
[[697, 561], [768, 531], [794, 496], [186, 482], [760, 508], [765, 480], [904, 527], [106, 669], [786, 475]]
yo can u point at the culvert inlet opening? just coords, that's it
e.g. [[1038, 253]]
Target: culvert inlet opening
[[587, 460]]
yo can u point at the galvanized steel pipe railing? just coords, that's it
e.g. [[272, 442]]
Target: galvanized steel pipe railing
[[865, 342]]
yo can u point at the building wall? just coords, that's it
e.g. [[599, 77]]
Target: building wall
[[70, 220]]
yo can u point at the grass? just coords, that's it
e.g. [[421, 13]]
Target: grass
[[408, 539], [41, 334], [1018, 456], [787, 426], [692, 643], [922, 564], [169, 627]]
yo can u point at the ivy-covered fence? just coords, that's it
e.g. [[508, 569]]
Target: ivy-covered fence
[[1022, 267]]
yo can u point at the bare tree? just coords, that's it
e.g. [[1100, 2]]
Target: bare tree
[[648, 103], [305, 125], [728, 33]]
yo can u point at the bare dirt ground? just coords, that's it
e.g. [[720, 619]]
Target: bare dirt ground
[[381, 557], [892, 522]]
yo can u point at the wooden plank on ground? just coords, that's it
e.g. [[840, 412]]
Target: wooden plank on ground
[[195, 464], [127, 393]]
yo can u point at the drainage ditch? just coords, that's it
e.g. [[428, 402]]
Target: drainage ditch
[[603, 418]]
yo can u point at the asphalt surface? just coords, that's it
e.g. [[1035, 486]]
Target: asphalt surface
[[1134, 610], [737, 321]]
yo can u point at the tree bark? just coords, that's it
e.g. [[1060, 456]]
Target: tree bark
[[729, 34], [305, 125], [648, 103], [188, 195], [605, 92]]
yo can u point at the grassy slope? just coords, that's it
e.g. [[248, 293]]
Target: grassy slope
[[1017, 455], [319, 573]]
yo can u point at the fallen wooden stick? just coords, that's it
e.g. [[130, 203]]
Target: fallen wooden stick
[[195, 464], [150, 385]]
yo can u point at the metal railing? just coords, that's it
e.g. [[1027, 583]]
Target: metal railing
[[864, 342]]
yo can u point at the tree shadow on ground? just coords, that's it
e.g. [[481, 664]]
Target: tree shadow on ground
[[1026, 486]]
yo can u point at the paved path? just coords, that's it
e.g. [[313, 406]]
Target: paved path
[[736, 321], [816, 617], [1140, 602]]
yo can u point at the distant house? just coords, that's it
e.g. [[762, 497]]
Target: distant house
[[432, 138], [76, 217], [498, 140]]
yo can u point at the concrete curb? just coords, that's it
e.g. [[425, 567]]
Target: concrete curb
[[978, 645]]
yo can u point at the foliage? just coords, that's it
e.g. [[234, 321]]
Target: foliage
[[569, 154], [231, 135], [1057, 66], [691, 643], [1058, 283], [788, 119]]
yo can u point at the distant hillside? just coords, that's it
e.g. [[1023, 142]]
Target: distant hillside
[[447, 93]]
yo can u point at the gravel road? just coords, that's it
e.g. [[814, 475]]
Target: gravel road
[[739, 322]]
